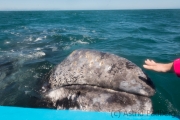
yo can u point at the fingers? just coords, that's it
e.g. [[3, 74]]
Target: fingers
[[149, 67], [153, 62], [150, 62]]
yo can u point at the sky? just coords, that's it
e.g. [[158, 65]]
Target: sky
[[87, 4]]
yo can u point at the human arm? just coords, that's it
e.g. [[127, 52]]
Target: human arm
[[163, 67], [158, 67]]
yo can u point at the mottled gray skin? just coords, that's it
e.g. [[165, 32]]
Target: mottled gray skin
[[94, 98], [100, 69], [93, 80]]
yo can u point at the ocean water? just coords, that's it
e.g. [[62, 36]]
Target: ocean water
[[33, 42]]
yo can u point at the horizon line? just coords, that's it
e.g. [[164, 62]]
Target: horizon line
[[89, 9]]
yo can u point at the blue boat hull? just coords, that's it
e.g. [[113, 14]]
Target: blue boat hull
[[17, 113]]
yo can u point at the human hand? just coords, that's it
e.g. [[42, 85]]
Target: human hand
[[158, 67]]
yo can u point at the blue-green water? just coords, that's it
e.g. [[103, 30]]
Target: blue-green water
[[32, 42]]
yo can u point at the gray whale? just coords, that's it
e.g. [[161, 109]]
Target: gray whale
[[98, 81]]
